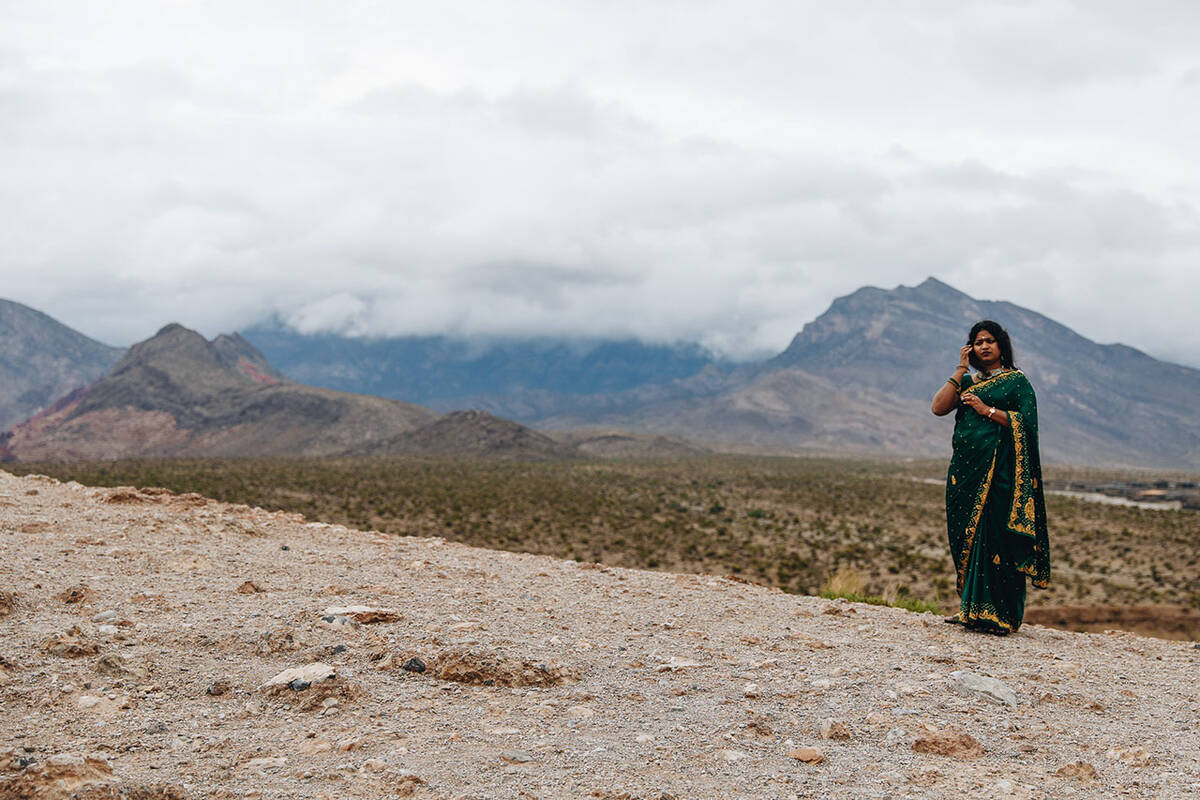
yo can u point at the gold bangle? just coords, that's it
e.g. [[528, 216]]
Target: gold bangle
[[955, 383]]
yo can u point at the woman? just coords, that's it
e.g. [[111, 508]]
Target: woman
[[995, 512]]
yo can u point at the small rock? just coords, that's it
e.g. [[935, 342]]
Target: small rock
[[108, 630], [896, 736], [346, 745], [363, 614], [248, 587], [71, 644], [947, 742], [266, 763], [75, 594], [1134, 756], [969, 683], [676, 664], [1080, 770], [751, 691], [1004, 786], [643, 738], [515, 756], [8, 601], [580, 712], [300, 678], [105, 616], [374, 765], [88, 701], [414, 665], [217, 688], [732, 756], [834, 729], [807, 755], [338, 621]]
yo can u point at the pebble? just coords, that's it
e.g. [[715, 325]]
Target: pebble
[[834, 729], [751, 691], [108, 630], [414, 665], [516, 756], [807, 755], [105, 616]]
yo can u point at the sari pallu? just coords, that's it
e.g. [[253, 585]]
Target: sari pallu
[[995, 508]]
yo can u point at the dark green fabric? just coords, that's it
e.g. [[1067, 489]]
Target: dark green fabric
[[995, 506]]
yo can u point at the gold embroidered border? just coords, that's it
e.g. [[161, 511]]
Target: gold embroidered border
[[973, 525], [975, 386], [1022, 516], [987, 614]]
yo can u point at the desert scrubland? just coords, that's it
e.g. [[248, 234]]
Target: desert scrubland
[[861, 528]]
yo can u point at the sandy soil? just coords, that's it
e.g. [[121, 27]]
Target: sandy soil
[[143, 636]]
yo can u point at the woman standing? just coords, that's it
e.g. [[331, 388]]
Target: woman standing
[[995, 511]]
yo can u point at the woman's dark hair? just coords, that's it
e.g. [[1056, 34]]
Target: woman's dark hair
[[1001, 335]]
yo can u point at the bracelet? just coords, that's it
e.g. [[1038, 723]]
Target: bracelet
[[991, 411], [956, 384]]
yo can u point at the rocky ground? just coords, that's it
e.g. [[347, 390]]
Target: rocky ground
[[166, 646]]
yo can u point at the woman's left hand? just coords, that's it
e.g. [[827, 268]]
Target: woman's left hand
[[974, 402]]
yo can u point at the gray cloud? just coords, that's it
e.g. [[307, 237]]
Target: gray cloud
[[714, 171]]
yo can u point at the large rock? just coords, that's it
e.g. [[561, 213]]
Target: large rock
[[970, 684]]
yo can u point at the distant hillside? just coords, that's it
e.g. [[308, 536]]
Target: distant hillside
[[474, 434], [859, 378], [506, 376], [41, 360], [177, 394], [1096, 403]]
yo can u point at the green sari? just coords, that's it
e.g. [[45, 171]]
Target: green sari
[[995, 509]]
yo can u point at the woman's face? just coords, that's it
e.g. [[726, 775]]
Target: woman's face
[[986, 349]]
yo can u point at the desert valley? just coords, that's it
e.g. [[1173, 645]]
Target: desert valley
[[271, 565]]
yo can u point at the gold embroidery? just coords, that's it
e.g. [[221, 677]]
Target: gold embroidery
[[996, 558], [952, 481], [987, 614], [974, 387], [1035, 483], [1021, 517], [973, 525]]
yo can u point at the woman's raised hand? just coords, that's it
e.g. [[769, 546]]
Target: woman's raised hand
[[964, 357]]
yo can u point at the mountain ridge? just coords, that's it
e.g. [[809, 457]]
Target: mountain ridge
[[41, 360]]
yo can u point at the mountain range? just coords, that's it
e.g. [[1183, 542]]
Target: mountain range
[[177, 394], [857, 379]]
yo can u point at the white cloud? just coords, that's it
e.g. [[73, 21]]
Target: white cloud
[[715, 171]]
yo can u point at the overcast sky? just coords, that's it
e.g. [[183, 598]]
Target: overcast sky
[[711, 171]]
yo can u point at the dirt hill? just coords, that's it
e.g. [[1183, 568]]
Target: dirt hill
[[167, 646]]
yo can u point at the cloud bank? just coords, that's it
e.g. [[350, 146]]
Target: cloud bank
[[715, 172]]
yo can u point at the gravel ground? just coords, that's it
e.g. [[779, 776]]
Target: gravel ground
[[143, 636]]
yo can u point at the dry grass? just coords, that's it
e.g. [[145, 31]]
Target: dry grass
[[859, 528]]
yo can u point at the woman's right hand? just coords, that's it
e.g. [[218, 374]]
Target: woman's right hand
[[964, 357]]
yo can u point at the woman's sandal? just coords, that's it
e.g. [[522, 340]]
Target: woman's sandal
[[954, 620]]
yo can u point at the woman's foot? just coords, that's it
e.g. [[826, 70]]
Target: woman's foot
[[953, 620]]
